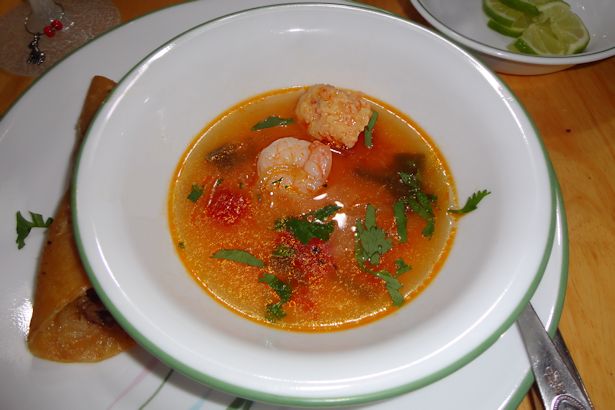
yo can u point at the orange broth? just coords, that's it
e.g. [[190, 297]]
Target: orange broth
[[330, 291]]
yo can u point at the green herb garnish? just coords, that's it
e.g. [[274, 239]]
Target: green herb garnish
[[392, 286], [275, 311], [399, 213], [471, 203], [23, 226], [195, 192], [419, 202], [181, 245], [369, 129], [284, 292], [305, 230], [238, 255], [371, 241], [310, 225], [325, 212], [272, 121], [401, 267]]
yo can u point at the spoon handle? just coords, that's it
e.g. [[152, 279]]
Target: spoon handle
[[559, 382]]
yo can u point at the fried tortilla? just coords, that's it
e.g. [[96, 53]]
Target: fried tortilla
[[69, 322]]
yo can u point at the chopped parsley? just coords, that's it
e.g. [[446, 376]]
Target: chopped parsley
[[272, 121], [369, 129], [284, 292], [371, 241], [181, 245], [195, 192], [471, 203], [23, 226], [238, 255], [309, 226]]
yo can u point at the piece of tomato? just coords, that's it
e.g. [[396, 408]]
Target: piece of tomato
[[227, 206]]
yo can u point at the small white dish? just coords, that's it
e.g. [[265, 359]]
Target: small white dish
[[136, 140], [465, 23]]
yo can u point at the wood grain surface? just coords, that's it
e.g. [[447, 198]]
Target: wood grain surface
[[574, 111]]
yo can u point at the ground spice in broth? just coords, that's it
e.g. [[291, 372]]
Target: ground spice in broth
[[217, 203]]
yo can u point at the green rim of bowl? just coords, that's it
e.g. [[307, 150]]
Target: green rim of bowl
[[312, 401]]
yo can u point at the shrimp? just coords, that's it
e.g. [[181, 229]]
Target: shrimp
[[294, 164], [332, 114]]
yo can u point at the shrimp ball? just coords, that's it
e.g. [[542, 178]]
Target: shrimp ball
[[332, 114]]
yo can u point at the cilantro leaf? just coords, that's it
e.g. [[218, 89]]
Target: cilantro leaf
[[275, 311], [238, 255], [23, 226], [392, 285], [325, 212], [369, 129], [310, 225], [281, 288], [399, 213], [272, 121], [371, 243], [195, 192], [419, 202], [412, 181], [471, 203], [305, 230], [370, 240], [402, 267]]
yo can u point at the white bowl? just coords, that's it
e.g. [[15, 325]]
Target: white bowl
[[464, 22], [137, 138]]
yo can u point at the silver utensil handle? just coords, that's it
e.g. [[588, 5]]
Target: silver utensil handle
[[559, 383]]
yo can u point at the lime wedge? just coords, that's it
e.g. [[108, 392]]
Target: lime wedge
[[540, 40], [557, 31], [510, 31], [503, 14], [566, 26], [531, 7]]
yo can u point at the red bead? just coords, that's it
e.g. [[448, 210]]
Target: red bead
[[57, 25], [49, 31]]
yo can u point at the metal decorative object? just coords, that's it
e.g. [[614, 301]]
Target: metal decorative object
[[38, 56]]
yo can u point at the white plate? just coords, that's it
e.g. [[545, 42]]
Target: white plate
[[36, 139]]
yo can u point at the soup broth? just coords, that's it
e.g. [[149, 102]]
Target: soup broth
[[244, 241]]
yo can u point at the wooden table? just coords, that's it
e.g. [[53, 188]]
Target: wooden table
[[574, 111]]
